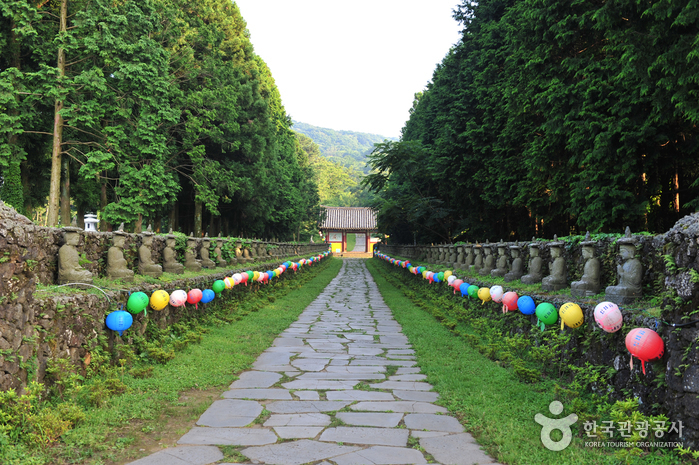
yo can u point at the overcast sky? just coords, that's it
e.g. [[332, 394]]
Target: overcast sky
[[351, 65]]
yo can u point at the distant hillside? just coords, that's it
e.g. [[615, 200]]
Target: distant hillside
[[346, 148]]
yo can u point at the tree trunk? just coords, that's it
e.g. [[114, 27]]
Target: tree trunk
[[81, 216], [173, 218], [104, 224], [65, 192], [138, 227], [28, 209], [157, 224], [197, 218], [55, 186]]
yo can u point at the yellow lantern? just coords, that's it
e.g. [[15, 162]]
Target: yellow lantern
[[159, 300], [571, 315], [255, 275], [484, 294], [447, 274]]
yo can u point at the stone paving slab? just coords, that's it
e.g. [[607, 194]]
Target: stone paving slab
[[184, 455], [298, 419], [398, 406], [455, 449], [229, 436], [381, 455], [255, 379], [297, 452], [307, 395], [418, 396], [382, 420], [320, 384], [403, 386], [412, 377], [370, 436], [276, 394], [343, 376], [300, 406], [359, 395], [297, 432], [431, 422], [230, 412]]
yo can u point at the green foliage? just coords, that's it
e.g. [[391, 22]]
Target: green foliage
[[549, 118]]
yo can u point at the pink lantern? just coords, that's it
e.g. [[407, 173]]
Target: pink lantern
[[457, 284], [645, 344], [608, 317], [509, 302], [178, 298]]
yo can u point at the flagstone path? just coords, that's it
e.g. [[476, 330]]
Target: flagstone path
[[339, 386]]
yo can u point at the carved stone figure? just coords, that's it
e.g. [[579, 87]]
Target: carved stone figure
[[534, 274], [116, 263], [170, 263], [239, 253], [478, 259], [146, 265], [488, 260], [69, 269], [559, 273], [219, 253], [190, 255], [589, 284], [246, 255], [206, 262], [517, 269], [459, 257], [501, 266], [452, 256], [468, 258], [630, 273]]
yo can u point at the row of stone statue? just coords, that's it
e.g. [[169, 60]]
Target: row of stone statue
[[70, 270], [480, 258]]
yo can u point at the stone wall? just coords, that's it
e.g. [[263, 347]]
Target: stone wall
[[670, 305], [49, 322]]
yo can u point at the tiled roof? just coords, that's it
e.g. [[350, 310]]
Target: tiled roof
[[349, 218]]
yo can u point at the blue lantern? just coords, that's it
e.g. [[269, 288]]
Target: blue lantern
[[207, 296], [119, 321]]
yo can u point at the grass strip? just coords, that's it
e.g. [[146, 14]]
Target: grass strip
[[113, 433], [488, 399]]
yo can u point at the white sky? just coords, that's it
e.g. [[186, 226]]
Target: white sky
[[351, 65]]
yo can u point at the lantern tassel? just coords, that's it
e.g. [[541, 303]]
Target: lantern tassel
[[631, 363], [643, 366], [561, 324]]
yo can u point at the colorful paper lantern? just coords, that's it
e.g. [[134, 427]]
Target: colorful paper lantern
[[509, 302], [451, 279], [546, 314], [484, 295], [138, 301], [218, 286], [496, 293], [644, 344], [237, 278], [472, 291], [178, 298], [526, 305], [464, 289], [456, 284], [194, 296], [608, 317], [571, 315], [159, 300], [207, 296], [119, 321], [447, 274]]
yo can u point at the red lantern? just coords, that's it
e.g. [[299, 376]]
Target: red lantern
[[645, 344], [509, 302], [194, 296], [456, 284]]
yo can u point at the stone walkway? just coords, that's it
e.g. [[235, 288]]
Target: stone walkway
[[339, 386]]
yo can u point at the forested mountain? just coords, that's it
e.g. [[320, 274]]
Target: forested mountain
[[550, 117], [346, 148], [148, 111]]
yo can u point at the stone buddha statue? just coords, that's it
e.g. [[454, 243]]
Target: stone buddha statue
[[478, 259], [459, 257], [589, 284], [238, 252], [146, 265], [69, 269], [190, 255], [488, 260], [116, 263], [468, 258], [630, 273], [557, 267], [219, 253], [501, 265], [206, 262], [534, 274], [170, 263], [517, 269]]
